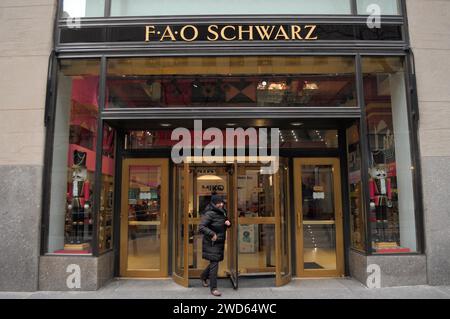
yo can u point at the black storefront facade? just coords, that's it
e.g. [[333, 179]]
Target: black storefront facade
[[346, 200]]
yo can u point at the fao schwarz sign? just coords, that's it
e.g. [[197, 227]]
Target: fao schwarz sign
[[215, 32]]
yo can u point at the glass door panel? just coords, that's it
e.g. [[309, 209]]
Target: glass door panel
[[204, 181], [319, 217], [232, 240], [181, 206], [256, 211], [144, 218], [283, 272]]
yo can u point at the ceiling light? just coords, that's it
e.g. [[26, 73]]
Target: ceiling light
[[166, 124], [310, 86], [296, 124]]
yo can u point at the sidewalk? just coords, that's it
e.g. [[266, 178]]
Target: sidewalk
[[249, 289]]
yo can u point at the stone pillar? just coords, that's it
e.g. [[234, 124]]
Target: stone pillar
[[25, 45], [429, 27]]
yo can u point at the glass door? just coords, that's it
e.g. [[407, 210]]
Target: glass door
[[318, 206], [233, 231], [205, 180], [143, 244], [283, 238], [180, 272], [256, 208]]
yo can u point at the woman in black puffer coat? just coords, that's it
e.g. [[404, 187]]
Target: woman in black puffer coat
[[213, 226]]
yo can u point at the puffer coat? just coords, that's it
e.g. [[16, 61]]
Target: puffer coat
[[213, 222]]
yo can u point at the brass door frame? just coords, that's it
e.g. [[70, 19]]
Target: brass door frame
[[144, 273], [281, 280], [236, 220], [335, 163], [182, 280]]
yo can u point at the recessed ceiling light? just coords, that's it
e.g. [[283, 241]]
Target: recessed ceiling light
[[231, 124], [166, 124], [296, 124]]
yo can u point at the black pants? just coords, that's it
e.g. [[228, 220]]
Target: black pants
[[210, 273]]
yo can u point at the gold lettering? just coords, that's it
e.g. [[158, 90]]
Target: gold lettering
[[223, 35], [263, 31], [212, 29], [183, 35], [242, 31], [312, 28], [282, 33], [149, 29], [168, 34], [295, 32]]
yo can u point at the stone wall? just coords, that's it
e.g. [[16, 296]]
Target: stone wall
[[429, 27], [26, 33]]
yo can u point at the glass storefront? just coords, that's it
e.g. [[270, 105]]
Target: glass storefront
[[146, 83], [347, 176]]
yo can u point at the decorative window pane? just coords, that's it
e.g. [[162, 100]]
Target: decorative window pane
[[386, 7], [224, 7], [83, 8]]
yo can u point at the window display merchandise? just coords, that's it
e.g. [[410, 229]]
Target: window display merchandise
[[79, 216]]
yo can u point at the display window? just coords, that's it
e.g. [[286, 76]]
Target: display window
[[74, 158], [391, 194]]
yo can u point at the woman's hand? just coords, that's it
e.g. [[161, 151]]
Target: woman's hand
[[214, 238], [227, 223]]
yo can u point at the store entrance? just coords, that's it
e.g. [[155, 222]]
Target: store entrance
[[318, 205], [258, 241], [144, 215]]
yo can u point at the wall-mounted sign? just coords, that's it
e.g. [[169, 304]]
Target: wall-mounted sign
[[228, 33], [213, 188], [216, 32]]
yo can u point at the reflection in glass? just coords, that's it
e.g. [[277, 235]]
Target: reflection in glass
[[144, 217], [319, 233], [83, 8], [221, 7], [231, 82], [387, 7]]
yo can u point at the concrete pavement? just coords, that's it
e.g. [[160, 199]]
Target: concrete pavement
[[249, 289]]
